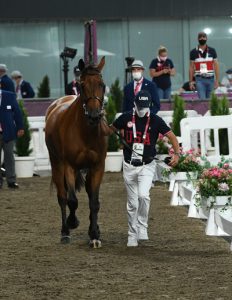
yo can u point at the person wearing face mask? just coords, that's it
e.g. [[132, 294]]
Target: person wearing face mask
[[139, 83], [141, 130], [227, 80], [73, 88], [204, 66], [161, 70]]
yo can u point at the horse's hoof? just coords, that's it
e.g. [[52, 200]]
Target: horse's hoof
[[95, 244], [65, 239], [72, 222]]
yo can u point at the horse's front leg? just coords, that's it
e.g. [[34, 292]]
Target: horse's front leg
[[93, 181], [58, 179]]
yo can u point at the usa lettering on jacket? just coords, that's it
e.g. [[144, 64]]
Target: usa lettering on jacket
[[139, 139]]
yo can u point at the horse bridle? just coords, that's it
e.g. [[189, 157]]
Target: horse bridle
[[101, 100]]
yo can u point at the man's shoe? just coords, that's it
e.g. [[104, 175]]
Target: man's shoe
[[142, 235], [13, 185], [132, 242]]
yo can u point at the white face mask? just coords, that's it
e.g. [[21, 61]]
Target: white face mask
[[229, 76], [163, 58], [137, 75], [141, 112]]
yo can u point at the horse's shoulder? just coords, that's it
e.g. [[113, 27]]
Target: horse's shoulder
[[66, 100], [60, 104]]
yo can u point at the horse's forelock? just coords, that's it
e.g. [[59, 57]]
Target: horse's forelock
[[91, 70]]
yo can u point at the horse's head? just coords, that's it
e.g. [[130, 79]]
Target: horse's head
[[92, 90]]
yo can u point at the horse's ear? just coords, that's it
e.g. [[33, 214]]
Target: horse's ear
[[81, 65], [101, 64]]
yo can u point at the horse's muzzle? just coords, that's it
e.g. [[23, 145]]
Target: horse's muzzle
[[94, 117]]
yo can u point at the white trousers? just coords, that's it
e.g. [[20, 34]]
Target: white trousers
[[138, 181]]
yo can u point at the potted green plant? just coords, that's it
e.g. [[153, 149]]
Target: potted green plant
[[178, 114], [114, 157], [117, 95], [220, 107], [24, 163]]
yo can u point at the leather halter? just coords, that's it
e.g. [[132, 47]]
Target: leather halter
[[92, 72]]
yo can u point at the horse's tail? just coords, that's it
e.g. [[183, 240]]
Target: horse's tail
[[80, 181]]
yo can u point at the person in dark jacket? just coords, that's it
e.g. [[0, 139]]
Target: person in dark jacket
[[6, 83], [140, 83], [11, 127], [73, 87], [23, 88]]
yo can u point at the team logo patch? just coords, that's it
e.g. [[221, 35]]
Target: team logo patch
[[129, 124]]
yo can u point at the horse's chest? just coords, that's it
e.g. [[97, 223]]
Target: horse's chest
[[86, 158]]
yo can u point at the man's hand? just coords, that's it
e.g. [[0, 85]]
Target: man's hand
[[20, 133], [165, 71], [216, 84], [174, 161], [192, 85]]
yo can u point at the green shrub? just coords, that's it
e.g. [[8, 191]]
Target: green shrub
[[117, 95], [214, 105], [113, 142], [22, 146], [44, 88], [220, 107], [178, 114]]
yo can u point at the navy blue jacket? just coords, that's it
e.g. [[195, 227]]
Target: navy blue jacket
[[10, 116], [26, 90], [128, 100], [7, 84]]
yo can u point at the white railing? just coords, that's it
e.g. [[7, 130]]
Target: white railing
[[38, 145], [202, 125]]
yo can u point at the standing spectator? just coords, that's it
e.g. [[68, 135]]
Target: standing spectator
[[23, 88], [204, 66], [11, 126], [73, 87], [139, 83], [161, 70], [6, 83], [141, 128]]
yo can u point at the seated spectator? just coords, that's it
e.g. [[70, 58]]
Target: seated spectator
[[23, 88], [227, 80], [186, 87]]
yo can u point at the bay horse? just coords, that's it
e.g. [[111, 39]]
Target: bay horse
[[75, 140]]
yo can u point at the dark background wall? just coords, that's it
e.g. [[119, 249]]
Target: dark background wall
[[116, 9]]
